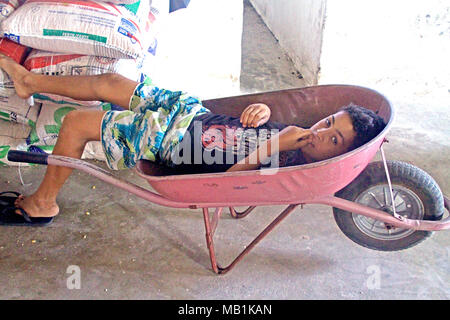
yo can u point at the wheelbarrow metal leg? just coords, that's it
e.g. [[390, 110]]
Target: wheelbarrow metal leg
[[238, 215], [210, 242], [215, 220]]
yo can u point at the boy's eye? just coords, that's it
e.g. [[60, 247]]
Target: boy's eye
[[328, 122], [334, 140]]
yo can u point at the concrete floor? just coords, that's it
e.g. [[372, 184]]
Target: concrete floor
[[127, 248]]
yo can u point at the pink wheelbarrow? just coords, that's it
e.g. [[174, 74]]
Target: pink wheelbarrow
[[386, 205]]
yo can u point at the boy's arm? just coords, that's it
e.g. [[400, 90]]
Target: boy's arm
[[255, 115], [254, 160], [290, 138]]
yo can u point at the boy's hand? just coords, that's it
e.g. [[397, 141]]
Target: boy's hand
[[293, 138], [255, 115]]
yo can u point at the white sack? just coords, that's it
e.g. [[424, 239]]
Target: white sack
[[17, 110], [87, 27], [7, 7], [12, 137]]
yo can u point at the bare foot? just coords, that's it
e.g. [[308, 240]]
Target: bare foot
[[18, 74], [36, 207]]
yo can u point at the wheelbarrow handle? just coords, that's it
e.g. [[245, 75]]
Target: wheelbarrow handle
[[27, 157]]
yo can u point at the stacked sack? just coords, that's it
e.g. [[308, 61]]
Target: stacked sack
[[67, 37]]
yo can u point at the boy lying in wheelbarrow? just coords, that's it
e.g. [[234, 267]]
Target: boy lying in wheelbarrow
[[160, 125]]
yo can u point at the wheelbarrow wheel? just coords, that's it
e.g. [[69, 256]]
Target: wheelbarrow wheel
[[416, 196]]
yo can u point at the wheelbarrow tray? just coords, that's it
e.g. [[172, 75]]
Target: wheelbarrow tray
[[304, 107]]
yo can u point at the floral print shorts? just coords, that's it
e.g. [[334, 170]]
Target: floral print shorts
[[151, 129]]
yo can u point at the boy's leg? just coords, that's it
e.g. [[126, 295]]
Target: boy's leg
[[111, 88], [78, 128]]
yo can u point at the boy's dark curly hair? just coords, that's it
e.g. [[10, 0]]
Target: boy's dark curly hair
[[366, 123]]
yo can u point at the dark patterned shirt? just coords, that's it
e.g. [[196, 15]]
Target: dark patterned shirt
[[214, 143]]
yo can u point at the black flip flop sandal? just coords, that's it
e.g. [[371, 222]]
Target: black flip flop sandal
[[7, 200], [9, 217]]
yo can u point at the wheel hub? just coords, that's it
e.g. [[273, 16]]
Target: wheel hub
[[406, 202]]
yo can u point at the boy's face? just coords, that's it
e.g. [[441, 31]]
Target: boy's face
[[333, 136]]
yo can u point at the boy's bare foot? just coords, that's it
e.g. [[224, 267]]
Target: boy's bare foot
[[18, 74], [35, 207]]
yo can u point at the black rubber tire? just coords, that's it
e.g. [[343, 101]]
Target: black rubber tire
[[401, 174]]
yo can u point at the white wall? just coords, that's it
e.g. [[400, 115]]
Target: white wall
[[199, 49], [399, 48], [387, 42], [298, 25]]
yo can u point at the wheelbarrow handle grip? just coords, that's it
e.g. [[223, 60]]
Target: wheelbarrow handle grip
[[27, 157]]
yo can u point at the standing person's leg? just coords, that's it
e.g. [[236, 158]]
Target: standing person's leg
[[108, 87], [78, 128]]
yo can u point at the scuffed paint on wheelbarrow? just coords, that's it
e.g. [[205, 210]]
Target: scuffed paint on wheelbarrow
[[314, 183]]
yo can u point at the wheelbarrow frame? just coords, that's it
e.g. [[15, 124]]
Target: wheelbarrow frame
[[211, 222], [301, 185]]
